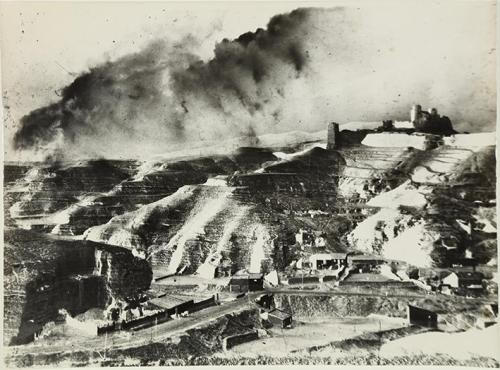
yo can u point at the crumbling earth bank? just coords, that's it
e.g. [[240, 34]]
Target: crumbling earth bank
[[43, 275], [307, 306]]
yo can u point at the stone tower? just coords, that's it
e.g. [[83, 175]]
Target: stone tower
[[415, 113], [333, 140]]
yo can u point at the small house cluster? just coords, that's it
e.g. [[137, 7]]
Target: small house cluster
[[460, 282], [310, 239], [336, 267]]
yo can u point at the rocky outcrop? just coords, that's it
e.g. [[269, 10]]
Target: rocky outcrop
[[43, 274]]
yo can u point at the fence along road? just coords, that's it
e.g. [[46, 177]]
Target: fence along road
[[162, 331], [130, 339]]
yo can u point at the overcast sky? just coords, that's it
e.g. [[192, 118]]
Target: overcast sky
[[46, 45]]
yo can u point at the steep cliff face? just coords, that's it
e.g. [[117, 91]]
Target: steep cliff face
[[43, 275], [125, 276]]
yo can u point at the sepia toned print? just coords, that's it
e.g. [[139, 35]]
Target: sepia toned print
[[249, 183]]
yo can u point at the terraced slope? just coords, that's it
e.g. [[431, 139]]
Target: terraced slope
[[216, 215], [430, 217]]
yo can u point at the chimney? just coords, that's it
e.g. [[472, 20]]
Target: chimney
[[333, 141]]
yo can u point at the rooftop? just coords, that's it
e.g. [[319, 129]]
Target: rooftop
[[245, 275], [366, 257], [282, 315], [328, 256]]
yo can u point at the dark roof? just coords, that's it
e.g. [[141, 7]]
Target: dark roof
[[470, 275], [266, 174], [251, 276], [444, 274], [239, 279], [467, 261], [366, 257], [328, 256], [282, 315], [430, 306]]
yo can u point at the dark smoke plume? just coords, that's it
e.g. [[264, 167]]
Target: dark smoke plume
[[306, 68], [165, 95], [119, 101]]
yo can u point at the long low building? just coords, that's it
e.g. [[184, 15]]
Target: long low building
[[249, 282], [365, 260], [321, 261]]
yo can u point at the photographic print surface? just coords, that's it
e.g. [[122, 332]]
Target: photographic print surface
[[249, 183]]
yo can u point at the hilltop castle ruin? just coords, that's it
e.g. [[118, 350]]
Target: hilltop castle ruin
[[423, 131]]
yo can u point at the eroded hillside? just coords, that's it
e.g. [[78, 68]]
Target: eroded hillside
[[188, 213], [256, 209]]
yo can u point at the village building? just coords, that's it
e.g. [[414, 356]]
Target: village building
[[323, 261], [246, 282], [450, 280], [494, 309], [365, 263], [301, 264], [272, 278], [320, 242], [422, 316], [280, 318], [445, 289], [308, 238], [465, 262], [266, 301], [436, 316], [471, 280]]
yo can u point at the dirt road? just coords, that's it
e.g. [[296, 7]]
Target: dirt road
[[162, 331], [130, 339]]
